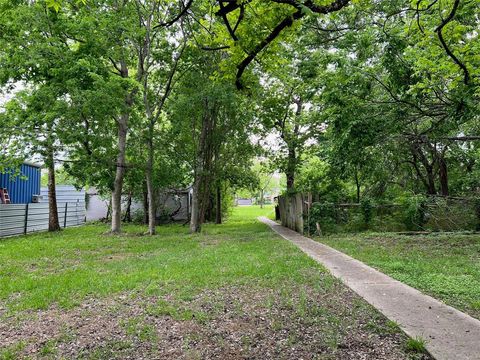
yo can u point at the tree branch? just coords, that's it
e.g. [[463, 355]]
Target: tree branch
[[208, 48], [177, 17], [439, 29], [286, 22], [462, 138], [226, 22]]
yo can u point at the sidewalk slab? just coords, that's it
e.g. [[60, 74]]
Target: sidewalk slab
[[449, 334]]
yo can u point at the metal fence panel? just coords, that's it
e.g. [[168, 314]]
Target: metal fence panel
[[65, 193], [11, 232], [14, 222]]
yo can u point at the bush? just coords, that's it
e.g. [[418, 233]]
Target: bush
[[137, 216], [476, 204], [367, 206], [325, 215], [415, 213]]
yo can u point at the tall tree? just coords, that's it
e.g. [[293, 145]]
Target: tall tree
[[36, 113], [211, 122], [290, 111], [160, 49]]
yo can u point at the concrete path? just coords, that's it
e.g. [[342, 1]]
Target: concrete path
[[449, 333]]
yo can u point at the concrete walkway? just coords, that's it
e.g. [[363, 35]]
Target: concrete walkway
[[449, 333]]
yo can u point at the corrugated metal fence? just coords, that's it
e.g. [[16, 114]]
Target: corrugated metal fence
[[17, 219], [65, 193]]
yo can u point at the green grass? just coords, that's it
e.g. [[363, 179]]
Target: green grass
[[416, 345], [445, 266], [239, 272], [12, 352], [39, 270]]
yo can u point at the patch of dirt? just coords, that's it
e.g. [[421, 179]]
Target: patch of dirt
[[116, 257], [291, 322]]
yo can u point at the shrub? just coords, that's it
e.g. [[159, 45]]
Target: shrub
[[323, 214], [367, 206], [477, 212], [137, 216], [415, 213]]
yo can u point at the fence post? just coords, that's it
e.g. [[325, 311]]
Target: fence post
[[65, 216], [309, 205], [26, 220]]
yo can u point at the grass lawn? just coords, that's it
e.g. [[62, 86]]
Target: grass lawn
[[445, 266], [234, 291]]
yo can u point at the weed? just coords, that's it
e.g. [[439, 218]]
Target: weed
[[416, 345], [49, 348], [12, 352]]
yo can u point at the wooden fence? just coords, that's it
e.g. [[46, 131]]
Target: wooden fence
[[292, 209], [17, 219]]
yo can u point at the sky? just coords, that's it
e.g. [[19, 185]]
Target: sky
[[8, 92]]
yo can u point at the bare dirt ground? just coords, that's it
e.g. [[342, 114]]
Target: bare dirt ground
[[242, 322]]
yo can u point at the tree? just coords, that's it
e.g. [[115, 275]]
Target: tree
[[266, 181], [211, 125], [289, 110], [36, 113], [157, 73]]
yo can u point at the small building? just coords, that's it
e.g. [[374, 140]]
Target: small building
[[172, 205], [23, 186], [244, 202]]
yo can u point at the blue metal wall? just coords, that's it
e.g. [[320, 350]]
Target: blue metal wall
[[22, 187]]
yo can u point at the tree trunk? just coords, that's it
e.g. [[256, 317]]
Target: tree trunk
[[109, 210], [145, 203], [262, 198], [429, 179], [290, 173], [292, 145], [206, 201], [218, 217], [431, 190], [357, 185], [122, 145], [202, 163], [195, 225], [194, 218], [128, 211], [443, 174], [119, 175], [53, 223], [152, 214]]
